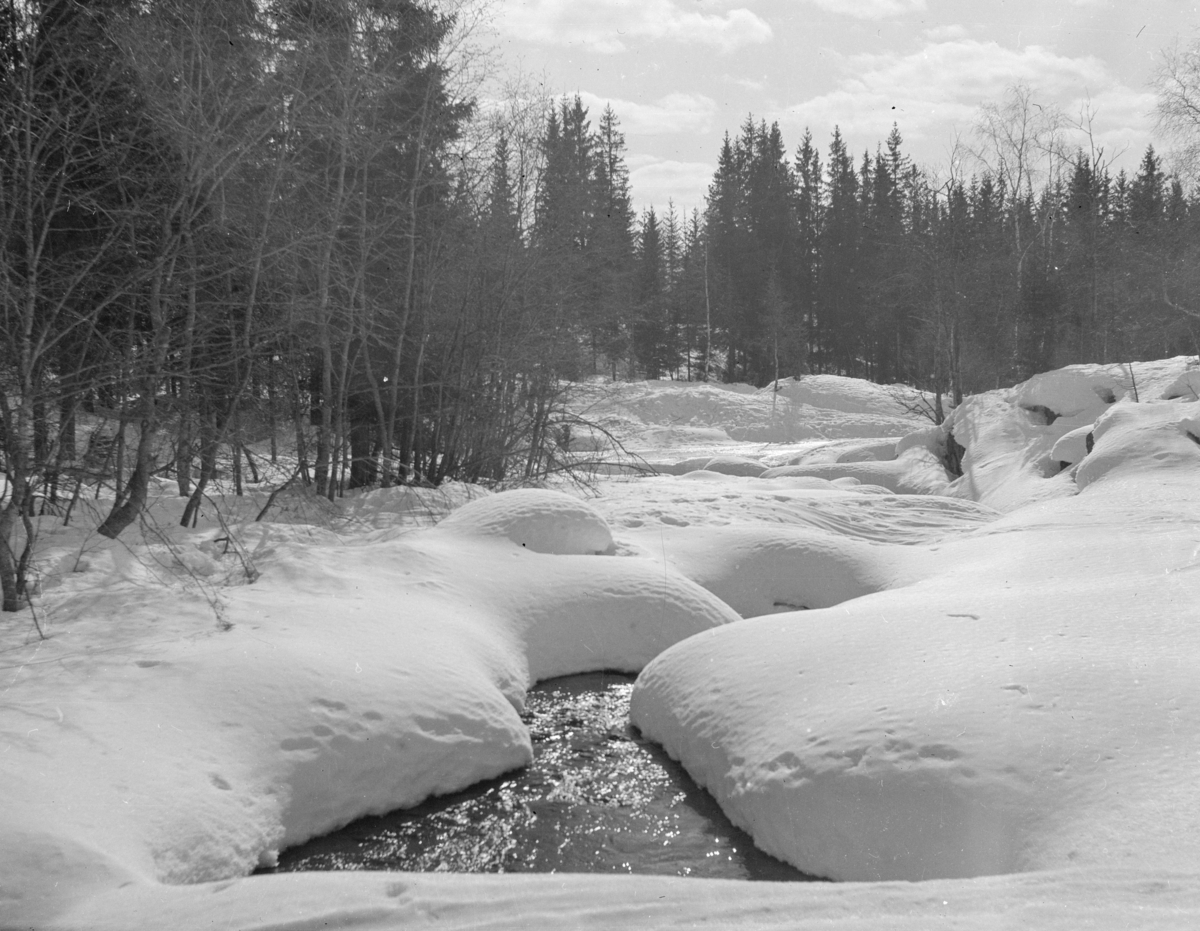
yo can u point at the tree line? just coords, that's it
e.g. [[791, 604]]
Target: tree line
[[1026, 252], [1022, 255], [226, 221]]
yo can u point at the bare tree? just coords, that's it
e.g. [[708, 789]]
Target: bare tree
[[80, 249], [1177, 83], [1021, 144]]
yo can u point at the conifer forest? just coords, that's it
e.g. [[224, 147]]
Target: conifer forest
[[223, 220]]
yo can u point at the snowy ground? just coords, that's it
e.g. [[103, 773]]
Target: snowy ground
[[978, 698]]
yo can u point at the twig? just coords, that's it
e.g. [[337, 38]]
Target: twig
[[271, 498]]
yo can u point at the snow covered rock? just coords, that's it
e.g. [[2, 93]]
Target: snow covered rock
[[735, 465], [1144, 440], [684, 466], [1073, 446], [1010, 435], [1186, 387], [915, 472], [1006, 460], [539, 520], [1078, 393]]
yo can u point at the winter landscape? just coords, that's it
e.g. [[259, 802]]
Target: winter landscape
[[756, 451], [968, 699]]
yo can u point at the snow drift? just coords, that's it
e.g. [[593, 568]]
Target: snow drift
[[1026, 700]]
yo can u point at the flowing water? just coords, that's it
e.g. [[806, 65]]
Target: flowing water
[[597, 798]]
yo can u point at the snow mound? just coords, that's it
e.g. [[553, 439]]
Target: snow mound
[[850, 395], [735, 465], [1072, 447], [535, 519], [348, 680], [855, 450], [1185, 388], [1078, 393], [1019, 698], [710, 499], [653, 418], [1008, 437], [1146, 440], [916, 472], [765, 570]]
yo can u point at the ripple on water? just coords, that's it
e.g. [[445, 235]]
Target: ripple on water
[[597, 798]]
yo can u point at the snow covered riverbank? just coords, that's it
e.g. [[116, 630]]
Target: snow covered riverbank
[[1001, 680]]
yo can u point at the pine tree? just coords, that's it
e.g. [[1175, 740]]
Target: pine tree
[[809, 220], [839, 285], [654, 343], [612, 253]]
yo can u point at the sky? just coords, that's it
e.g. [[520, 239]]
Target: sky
[[680, 73]]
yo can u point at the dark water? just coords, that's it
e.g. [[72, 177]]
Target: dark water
[[596, 799]]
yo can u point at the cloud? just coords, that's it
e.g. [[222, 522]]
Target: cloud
[[608, 26], [748, 83], [656, 181], [674, 113], [870, 9], [1122, 123], [946, 33], [940, 88]]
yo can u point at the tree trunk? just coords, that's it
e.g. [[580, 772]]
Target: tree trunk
[[133, 498]]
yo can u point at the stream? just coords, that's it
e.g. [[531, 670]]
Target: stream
[[596, 798]]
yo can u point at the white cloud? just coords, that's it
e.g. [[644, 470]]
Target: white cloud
[[609, 25], [870, 9], [1122, 123], [674, 113], [656, 181], [946, 33], [748, 83], [942, 85]]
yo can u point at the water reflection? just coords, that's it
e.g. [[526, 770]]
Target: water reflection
[[597, 798]]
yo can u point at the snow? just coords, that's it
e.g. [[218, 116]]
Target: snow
[[144, 742], [993, 690], [735, 465], [542, 521], [1025, 700], [654, 420], [916, 471]]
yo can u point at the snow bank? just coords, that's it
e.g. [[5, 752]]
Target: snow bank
[[1010, 438], [709, 499], [735, 465], [377, 901], [542, 521], [348, 680], [767, 569], [1143, 441], [1029, 700], [651, 418], [916, 472], [851, 395]]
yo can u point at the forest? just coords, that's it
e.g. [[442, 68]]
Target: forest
[[225, 222]]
